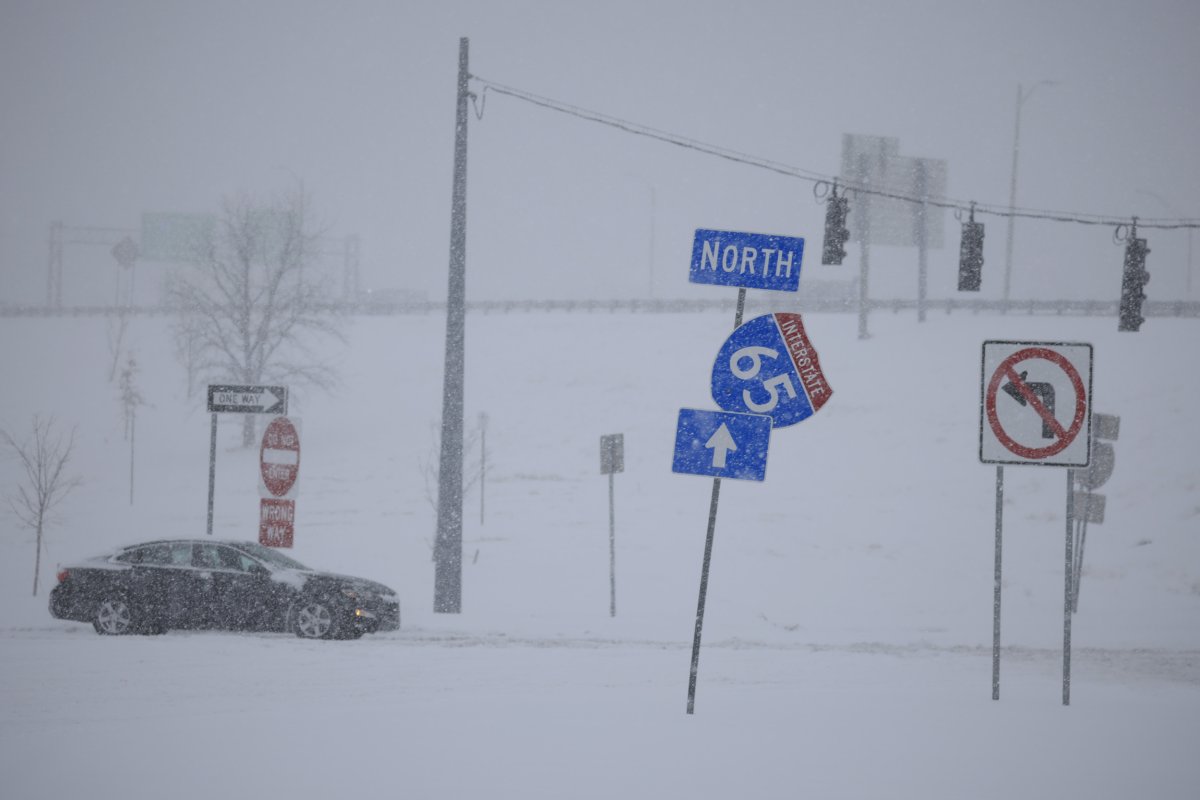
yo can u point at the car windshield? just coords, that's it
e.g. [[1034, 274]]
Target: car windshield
[[270, 555]]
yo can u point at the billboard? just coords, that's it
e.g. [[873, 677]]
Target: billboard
[[875, 162], [176, 237]]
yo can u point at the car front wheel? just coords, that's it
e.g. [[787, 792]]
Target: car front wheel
[[315, 619], [113, 617]]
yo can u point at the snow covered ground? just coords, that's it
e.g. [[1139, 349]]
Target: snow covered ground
[[847, 640]]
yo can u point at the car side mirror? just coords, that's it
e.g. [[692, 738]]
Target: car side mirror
[[259, 570]]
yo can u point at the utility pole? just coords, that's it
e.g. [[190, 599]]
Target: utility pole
[[921, 222], [54, 268], [447, 583], [1022, 96]]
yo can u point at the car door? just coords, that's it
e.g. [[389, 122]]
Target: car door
[[186, 587], [158, 583], [147, 581], [252, 597], [234, 601]]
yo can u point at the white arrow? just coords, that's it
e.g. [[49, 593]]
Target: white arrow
[[265, 403], [721, 443]]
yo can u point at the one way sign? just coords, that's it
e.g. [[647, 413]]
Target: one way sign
[[722, 444], [247, 399]]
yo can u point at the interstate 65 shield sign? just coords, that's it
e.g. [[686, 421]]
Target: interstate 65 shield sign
[[768, 366]]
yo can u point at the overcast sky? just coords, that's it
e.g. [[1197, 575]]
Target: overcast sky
[[111, 109]]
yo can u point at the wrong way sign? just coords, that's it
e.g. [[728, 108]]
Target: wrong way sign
[[1035, 405]]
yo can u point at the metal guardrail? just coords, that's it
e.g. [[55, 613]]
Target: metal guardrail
[[1089, 308]]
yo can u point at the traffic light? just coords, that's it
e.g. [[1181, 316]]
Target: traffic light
[[836, 234], [970, 255], [1133, 280]]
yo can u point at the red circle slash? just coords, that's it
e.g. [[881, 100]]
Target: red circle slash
[[1063, 437]]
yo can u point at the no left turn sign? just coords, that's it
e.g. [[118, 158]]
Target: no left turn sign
[[1036, 403]]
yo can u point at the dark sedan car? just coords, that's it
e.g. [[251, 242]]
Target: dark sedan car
[[189, 584]]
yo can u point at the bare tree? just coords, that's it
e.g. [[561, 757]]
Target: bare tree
[[116, 341], [250, 312], [187, 334], [475, 467], [131, 398], [44, 457]]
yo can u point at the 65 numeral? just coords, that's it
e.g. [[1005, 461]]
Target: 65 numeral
[[771, 385]]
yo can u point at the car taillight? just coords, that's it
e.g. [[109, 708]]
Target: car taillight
[[63, 574]]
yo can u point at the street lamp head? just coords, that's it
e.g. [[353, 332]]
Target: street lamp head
[[1026, 93]]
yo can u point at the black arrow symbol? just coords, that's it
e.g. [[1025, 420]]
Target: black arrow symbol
[[1043, 391]]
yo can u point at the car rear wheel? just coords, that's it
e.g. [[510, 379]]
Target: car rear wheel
[[113, 617], [315, 619]]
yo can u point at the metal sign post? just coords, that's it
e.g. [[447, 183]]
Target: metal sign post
[[711, 533], [708, 546], [226, 399], [212, 470], [612, 460], [996, 590], [1068, 582]]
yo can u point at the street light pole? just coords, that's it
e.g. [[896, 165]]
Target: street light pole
[[1022, 96]]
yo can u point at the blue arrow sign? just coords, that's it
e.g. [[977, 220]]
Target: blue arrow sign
[[748, 260], [721, 444], [769, 366]]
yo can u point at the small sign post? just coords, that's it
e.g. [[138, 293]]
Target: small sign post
[[612, 460], [225, 399]]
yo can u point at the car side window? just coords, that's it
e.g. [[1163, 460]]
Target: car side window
[[213, 556], [245, 562], [129, 556], [181, 554], [207, 557], [155, 555], [229, 559]]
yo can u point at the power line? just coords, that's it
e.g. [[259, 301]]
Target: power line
[[818, 178], [653, 133]]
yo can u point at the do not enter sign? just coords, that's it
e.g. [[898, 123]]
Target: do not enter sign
[[279, 457]]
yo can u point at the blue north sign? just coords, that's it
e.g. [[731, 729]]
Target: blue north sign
[[746, 260]]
